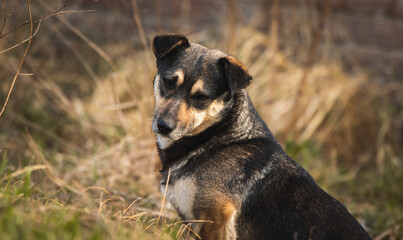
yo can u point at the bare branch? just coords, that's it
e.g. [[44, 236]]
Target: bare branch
[[20, 43], [22, 60], [102, 53], [58, 12]]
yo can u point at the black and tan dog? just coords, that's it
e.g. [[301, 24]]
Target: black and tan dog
[[224, 164]]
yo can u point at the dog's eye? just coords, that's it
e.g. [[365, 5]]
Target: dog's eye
[[200, 97], [170, 82]]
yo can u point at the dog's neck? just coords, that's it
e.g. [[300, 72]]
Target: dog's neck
[[240, 123]]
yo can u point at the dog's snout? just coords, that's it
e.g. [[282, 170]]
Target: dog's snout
[[165, 127]]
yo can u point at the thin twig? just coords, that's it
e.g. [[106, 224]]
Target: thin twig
[[24, 170], [100, 202], [57, 202], [3, 6], [59, 11], [191, 230], [139, 25], [232, 15], [181, 230], [45, 17], [22, 60], [157, 7], [274, 27], [140, 29], [139, 198], [134, 217], [26, 74], [191, 221], [165, 194], [88, 41], [103, 203], [95, 187], [103, 54], [79, 56], [20, 43]]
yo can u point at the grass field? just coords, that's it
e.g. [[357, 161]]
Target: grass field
[[78, 157]]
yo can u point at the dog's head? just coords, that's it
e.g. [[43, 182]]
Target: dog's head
[[193, 88]]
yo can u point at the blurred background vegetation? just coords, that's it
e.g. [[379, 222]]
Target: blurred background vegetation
[[78, 157]]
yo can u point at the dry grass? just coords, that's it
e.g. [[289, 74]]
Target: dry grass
[[79, 157]]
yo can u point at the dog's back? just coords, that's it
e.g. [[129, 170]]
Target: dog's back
[[228, 169]]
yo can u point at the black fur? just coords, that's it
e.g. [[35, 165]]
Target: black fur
[[168, 44], [239, 158]]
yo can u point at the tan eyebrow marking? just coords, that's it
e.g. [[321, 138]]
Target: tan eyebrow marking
[[198, 86], [181, 77]]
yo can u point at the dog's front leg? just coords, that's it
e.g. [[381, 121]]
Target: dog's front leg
[[222, 225]]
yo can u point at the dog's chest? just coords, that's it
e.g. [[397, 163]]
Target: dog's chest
[[181, 195]]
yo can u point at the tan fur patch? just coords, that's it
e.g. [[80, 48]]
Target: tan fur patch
[[237, 62], [210, 116], [190, 118], [198, 86], [230, 227], [184, 115], [181, 77], [215, 108], [223, 215], [196, 121]]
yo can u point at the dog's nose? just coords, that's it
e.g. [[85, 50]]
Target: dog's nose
[[165, 127]]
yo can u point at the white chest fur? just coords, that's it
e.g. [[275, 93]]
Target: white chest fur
[[181, 195]]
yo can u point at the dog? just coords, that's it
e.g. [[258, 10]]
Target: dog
[[221, 165]]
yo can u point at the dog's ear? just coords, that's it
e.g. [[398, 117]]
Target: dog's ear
[[236, 74], [164, 45]]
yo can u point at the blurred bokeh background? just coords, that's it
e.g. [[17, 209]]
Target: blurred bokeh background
[[78, 157]]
